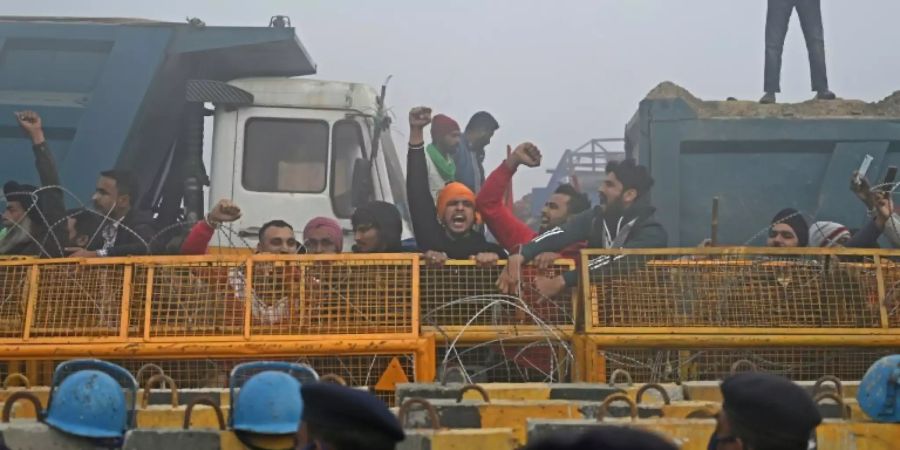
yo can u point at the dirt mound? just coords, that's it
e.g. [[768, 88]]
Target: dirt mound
[[888, 107]]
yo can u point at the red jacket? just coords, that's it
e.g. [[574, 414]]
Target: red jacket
[[504, 225], [197, 241]]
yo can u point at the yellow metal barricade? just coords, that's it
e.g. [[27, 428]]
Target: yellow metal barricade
[[198, 315], [689, 314], [460, 301]]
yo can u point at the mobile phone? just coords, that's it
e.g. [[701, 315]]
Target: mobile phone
[[890, 175], [863, 168]]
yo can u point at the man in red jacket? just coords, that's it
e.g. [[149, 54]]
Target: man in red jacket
[[506, 227]]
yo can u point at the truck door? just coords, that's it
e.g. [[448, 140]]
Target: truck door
[[296, 164], [281, 168]]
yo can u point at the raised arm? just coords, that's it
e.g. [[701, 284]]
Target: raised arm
[[504, 225], [423, 212]]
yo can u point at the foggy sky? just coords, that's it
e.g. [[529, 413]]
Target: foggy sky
[[554, 72]]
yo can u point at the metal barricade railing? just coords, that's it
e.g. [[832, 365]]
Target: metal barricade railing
[[461, 299], [210, 298], [202, 307], [689, 314], [741, 290]]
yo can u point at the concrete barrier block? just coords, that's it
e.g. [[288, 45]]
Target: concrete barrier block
[[582, 391], [488, 438], [706, 391], [591, 410], [164, 416], [684, 433], [840, 435], [172, 440], [30, 435], [219, 396], [450, 414]]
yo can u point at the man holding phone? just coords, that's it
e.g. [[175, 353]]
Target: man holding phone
[[881, 210]]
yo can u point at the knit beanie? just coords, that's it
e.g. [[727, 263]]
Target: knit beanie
[[441, 126], [792, 218], [826, 234]]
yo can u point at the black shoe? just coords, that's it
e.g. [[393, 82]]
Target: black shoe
[[825, 95], [768, 99]]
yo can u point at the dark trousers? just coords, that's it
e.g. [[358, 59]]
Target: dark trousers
[[777, 18]]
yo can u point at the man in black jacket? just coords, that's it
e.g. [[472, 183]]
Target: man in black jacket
[[125, 230], [34, 217], [625, 220], [447, 231]]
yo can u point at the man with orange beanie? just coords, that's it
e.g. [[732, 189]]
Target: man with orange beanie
[[448, 229], [445, 137]]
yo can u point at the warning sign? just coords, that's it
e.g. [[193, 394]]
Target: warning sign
[[392, 375]]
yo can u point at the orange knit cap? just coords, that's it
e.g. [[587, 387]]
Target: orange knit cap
[[455, 190]]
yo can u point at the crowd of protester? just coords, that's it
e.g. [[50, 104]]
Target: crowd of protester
[[451, 201]]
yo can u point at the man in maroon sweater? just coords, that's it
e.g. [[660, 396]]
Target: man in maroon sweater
[[506, 227]]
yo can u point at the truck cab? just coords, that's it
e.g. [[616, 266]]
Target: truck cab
[[135, 94], [303, 148]]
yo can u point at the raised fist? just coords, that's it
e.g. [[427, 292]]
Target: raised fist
[[526, 153], [224, 211], [419, 117], [30, 122]]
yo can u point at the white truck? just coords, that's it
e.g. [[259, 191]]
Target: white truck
[[303, 148]]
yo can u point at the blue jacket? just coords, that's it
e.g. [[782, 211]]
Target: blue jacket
[[469, 170]]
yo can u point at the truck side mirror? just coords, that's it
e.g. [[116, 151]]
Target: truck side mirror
[[363, 188]]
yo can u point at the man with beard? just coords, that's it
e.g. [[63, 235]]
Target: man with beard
[[511, 232], [625, 220], [125, 230], [788, 229], [445, 137], [446, 230], [469, 157], [33, 217]]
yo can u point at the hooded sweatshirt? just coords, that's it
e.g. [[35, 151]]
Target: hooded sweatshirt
[[430, 233], [385, 217], [635, 228]]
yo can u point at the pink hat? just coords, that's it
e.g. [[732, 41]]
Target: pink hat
[[329, 224]]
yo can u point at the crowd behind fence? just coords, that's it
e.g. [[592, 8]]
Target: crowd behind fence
[[663, 315]]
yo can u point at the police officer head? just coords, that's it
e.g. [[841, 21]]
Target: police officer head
[[341, 418], [764, 412]]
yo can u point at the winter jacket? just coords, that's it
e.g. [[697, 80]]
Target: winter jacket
[[386, 218], [197, 240], [50, 211], [469, 166], [510, 232], [135, 235], [430, 233], [635, 229]]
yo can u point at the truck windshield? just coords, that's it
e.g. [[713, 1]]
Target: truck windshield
[[347, 143], [285, 155]]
